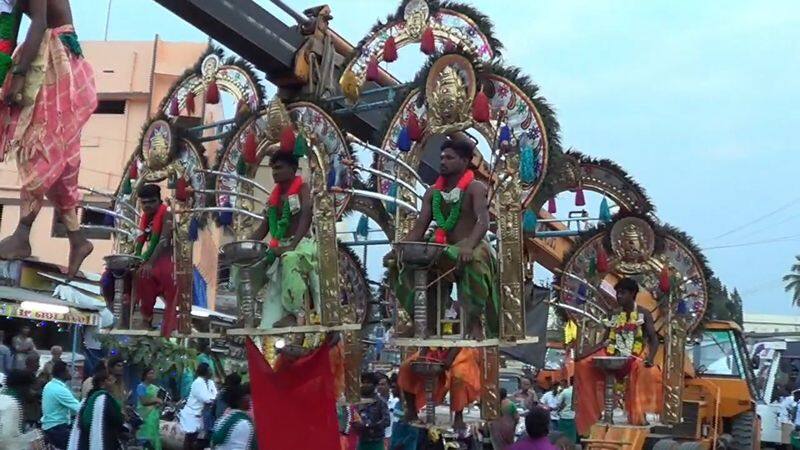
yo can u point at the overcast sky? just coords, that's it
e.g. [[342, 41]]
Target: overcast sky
[[697, 100]]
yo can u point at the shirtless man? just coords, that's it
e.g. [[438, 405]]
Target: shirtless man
[[49, 66], [292, 256], [462, 217]]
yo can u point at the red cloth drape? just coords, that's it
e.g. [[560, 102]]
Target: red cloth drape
[[294, 408]]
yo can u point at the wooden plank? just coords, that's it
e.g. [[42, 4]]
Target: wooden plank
[[291, 330]]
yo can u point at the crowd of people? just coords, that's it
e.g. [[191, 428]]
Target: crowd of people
[[38, 404]]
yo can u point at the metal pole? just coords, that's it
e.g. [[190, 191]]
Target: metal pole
[[74, 348], [420, 303], [108, 19], [246, 297], [302, 20]]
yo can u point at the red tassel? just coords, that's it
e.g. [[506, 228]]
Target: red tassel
[[390, 50], [580, 199], [190, 102], [449, 46], [250, 147], [440, 236], [480, 108], [664, 281], [287, 139], [181, 191], [372, 69], [212, 94], [427, 44], [133, 172], [414, 129], [174, 108], [601, 260], [551, 206]]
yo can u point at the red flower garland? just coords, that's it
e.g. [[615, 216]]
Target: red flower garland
[[158, 223]]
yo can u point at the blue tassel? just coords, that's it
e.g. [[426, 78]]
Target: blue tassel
[[404, 140], [108, 220], [527, 166], [391, 207], [331, 178], [226, 217], [362, 229], [682, 307], [582, 294], [505, 134], [529, 221], [194, 229], [605, 212]]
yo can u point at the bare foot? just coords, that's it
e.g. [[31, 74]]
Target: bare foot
[[458, 422], [287, 321], [15, 246], [77, 253], [476, 330]]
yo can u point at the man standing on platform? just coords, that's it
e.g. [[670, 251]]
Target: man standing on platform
[[48, 96], [630, 328]]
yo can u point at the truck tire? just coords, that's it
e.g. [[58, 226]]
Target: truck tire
[[691, 446], [666, 444], [743, 431]]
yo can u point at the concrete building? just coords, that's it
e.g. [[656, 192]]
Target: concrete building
[[131, 79], [771, 323]]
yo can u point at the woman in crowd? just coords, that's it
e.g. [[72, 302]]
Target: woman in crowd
[[201, 396], [149, 409], [12, 397]]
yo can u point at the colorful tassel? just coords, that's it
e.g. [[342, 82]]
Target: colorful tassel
[[582, 290], [194, 229], [190, 106], [181, 189], [592, 271], [580, 199], [250, 148], [404, 140], [391, 207], [551, 206], [449, 46], [171, 181], [529, 221], [683, 308], [241, 167], [664, 283], [174, 107], [372, 69], [126, 187], [605, 212], [602, 260], [440, 236], [480, 108], [108, 220], [527, 165], [226, 217], [212, 94], [415, 131], [390, 50], [427, 43], [362, 230], [133, 172], [331, 181], [287, 139], [505, 134], [300, 146]]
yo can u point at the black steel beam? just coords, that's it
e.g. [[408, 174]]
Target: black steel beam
[[246, 28]]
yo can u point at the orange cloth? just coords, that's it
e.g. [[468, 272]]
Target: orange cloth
[[463, 379], [643, 392]]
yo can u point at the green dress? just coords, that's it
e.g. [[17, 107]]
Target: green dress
[[151, 416]]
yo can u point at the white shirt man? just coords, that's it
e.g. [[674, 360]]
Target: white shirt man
[[392, 404], [550, 401], [203, 391]]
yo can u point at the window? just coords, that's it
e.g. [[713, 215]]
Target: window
[[91, 218], [554, 359], [718, 354], [96, 219], [110, 107]]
